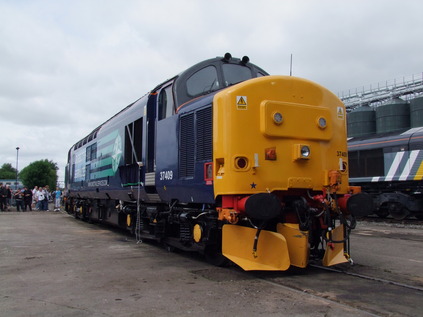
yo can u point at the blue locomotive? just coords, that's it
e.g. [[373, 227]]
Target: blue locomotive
[[228, 161]]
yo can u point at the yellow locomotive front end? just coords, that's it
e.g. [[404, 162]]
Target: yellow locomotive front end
[[281, 172]]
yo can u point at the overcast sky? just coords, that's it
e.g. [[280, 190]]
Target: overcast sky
[[67, 66]]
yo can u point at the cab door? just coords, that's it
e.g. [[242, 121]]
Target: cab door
[[167, 142], [160, 107]]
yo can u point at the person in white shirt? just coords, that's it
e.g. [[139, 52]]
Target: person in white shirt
[[34, 197], [40, 199]]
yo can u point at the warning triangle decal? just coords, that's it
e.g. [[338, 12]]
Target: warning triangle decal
[[241, 102]]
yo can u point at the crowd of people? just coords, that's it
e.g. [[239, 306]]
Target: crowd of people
[[25, 199]]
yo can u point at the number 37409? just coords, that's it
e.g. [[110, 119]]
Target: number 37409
[[166, 175]]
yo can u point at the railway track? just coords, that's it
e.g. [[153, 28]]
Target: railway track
[[368, 295], [368, 277], [385, 279], [389, 220]]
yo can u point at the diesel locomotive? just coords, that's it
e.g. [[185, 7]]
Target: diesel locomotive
[[389, 167], [226, 160]]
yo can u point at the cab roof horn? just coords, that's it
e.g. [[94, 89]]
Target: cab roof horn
[[227, 57], [245, 60]]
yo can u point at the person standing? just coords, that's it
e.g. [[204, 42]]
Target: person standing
[[34, 197], [18, 196], [27, 199], [8, 196], [46, 198], [57, 199], [39, 199], [3, 196], [43, 198]]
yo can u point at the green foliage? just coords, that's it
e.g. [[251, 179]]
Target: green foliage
[[40, 173], [7, 171]]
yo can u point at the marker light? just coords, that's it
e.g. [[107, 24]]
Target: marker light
[[277, 118], [270, 154], [322, 123]]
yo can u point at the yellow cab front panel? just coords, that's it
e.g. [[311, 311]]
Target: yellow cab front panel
[[277, 134], [260, 127]]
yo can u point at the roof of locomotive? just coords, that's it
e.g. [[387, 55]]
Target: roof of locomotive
[[181, 88], [386, 139], [181, 96]]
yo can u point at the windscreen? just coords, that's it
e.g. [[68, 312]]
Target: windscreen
[[234, 73]]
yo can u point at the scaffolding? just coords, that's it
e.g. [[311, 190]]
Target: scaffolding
[[374, 95]]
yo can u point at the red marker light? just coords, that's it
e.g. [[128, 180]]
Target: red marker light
[[270, 154]]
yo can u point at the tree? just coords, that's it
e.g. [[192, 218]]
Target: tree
[[7, 171], [40, 173]]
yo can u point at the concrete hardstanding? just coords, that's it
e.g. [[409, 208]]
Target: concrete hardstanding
[[54, 265]]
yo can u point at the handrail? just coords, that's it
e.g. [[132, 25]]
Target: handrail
[[375, 95]]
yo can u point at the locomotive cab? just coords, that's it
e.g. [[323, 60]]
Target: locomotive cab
[[183, 137]]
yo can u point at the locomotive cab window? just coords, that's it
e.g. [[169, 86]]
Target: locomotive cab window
[[165, 103], [203, 81], [234, 73]]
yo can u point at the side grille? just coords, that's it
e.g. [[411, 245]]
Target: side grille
[[204, 134], [187, 146]]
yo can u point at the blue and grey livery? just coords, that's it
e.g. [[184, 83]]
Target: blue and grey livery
[[390, 167]]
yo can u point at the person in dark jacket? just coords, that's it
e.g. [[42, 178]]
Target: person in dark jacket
[[8, 197], [18, 195], [3, 197], [27, 199]]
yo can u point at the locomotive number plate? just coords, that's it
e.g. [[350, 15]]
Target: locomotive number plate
[[166, 175]]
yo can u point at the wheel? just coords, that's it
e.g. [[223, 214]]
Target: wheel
[[75, 212], [382, 212], [397, 211]]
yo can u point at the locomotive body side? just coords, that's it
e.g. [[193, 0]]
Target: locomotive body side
[[184, 147], [97, 173], [390, 168]]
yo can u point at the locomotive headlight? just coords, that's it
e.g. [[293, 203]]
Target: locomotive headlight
[[322, 123], [305, 151], [301, 152], [277, 118]]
